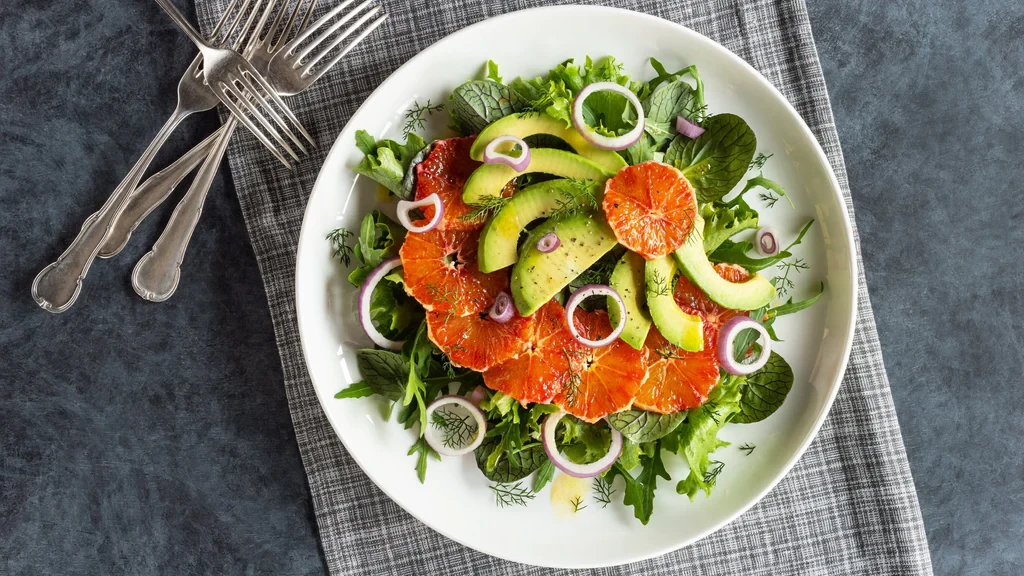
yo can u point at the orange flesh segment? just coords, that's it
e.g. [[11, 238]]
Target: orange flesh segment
[[651, 207]]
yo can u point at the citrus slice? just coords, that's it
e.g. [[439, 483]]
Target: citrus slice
[[444, 171], [693, 300], [475, 341], [676, 379], [601, 380], [440, 272], [650, 206], [541, 370]]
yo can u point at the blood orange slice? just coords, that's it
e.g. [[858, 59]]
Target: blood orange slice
[[539, 373], [602, 380], [445, 171], [693, 300], [651, 207], [475, 341], [440, 272], [676, 379]]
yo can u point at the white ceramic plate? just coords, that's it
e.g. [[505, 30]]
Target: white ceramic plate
[[456, 500]]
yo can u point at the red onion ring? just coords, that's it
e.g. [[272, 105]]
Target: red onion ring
[[601, 141], [405, 206], [595, 290], [478, 395], [727, 341], [687, 128], [766, 241], [568, 466], [365, 295], [492, 156], [438, 443], [502, 310], [549, 243]]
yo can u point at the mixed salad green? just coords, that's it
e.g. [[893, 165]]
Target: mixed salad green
[[440, 391]]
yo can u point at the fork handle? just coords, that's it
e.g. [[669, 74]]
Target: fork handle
[[57, 286], [183, 23], [152, 193], [156, 275]]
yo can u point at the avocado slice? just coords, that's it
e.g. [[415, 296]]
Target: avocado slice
[[678, 327], [500, 237], [756, 292], [490, 179], [537, 277], [628, 280], [525, 124]]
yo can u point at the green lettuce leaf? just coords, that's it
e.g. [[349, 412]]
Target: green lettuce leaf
[[723, 221], [386, 161], [698, 437], [764, 391], [717, 160]]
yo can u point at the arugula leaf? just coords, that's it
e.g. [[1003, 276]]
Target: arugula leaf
[[422, 451], [765, 390], [356, 390], [418, 350], [379, 240], [736, 253], [698, 437], [544, 475], [384, 372], [477, 103], [722, 221], [767, 184], [510, 466], [639, 491], [642, 426], [386, 161], [715, 161], [791, 307]]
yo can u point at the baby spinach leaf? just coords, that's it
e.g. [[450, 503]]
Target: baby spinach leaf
[[643, 151], [409, 180], [477, 103], [665, 76], [544, 475], [386, 161], [384, 372], [717, 160], [765, 390], [791, 307], [639, 491], [510, 466], [642, 426], [723, 221], [356, 390]]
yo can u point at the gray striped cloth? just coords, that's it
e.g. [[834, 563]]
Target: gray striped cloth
[[847, 507]]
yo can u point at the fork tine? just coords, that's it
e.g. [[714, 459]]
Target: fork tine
[[334, 28], [255, 112], [309, 14], [267, 89], [240, 114], [252, 91], [223, 20], [289, 24], [320, 22], [323, 69], [239, 16], [255, 36], [248, 31], [272, 33]]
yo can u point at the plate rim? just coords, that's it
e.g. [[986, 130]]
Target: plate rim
[[836, 189]]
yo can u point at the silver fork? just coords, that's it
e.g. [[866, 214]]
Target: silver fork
[[157, 274], [57, 286], [244, 91]]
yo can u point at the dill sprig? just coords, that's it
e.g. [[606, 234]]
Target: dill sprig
[[758, 162], [416, 117], [573, 378], [484, 209], [457, 431], [711, 476], [712, 410], [603, 491], [660, 284], [516, 495], [669, 352], [339, 244], [580, 200], [748, 448], [577, 504], [768, 198], [783, 284]]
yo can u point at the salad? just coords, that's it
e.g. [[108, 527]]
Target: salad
[[575, 282]]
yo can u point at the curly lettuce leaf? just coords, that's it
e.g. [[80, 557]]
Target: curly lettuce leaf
[[386, 161], [723, 221]]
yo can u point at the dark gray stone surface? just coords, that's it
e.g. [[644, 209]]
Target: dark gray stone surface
[[139, 438]]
